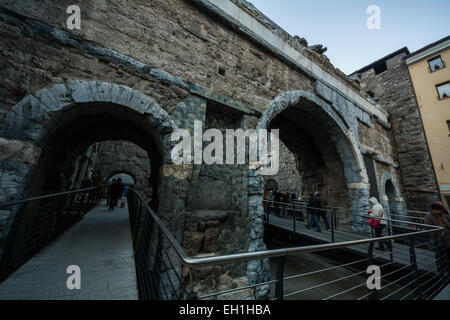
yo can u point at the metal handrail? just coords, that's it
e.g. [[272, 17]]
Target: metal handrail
[[258, 255], [9, 204], [44, 218], [327, 210]]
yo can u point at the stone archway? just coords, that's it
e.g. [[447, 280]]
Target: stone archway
[[339, 132], [119, 173], [41, 121], [391, 197], [356, 179]]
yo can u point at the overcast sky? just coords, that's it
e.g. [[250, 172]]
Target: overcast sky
[[341, 26]]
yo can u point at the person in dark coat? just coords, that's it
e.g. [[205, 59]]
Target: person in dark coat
[[108, 202], [321, 204], [277, 200], [312, 214], [284, 204], [116, 191], [292, 201]]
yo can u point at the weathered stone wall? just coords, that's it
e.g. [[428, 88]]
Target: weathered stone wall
[[197, 47], [196, 68], [247, 74], [394, 90], [288, 177], [220, 189]]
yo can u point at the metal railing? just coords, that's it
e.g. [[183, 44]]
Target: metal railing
[[158, 277], [414, 267], [26, 226], [417, 270]]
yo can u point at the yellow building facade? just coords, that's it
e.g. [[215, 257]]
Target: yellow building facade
[[429, 68]]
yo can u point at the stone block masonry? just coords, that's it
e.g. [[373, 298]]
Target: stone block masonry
[[147, 68], [394, 90]]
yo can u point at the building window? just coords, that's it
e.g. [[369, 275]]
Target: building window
[[436, 64], [380, 67], [448, 124], [443, 90]]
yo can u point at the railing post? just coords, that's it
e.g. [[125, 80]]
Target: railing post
[[293, 228], [373, 295], [440, 256], [54, 216], [389, 242], [71, 204], [335, 219], [80, 208], [332, 225], [191, 295], [413, 262], [280, 275]]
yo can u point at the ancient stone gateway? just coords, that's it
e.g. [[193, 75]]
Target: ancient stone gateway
[[221, 62], [59, 122], [299, 111]]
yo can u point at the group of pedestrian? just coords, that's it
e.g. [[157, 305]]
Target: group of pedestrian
[[115, 192], [281, 204]]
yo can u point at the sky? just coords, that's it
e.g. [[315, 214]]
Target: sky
[[341, 26]]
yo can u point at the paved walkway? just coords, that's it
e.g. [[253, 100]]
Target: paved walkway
[[100, 245]]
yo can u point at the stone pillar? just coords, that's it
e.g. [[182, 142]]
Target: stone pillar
[[258, 270], [359, 200]]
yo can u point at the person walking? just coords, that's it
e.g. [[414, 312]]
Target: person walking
[[377, 213], [320, 205], [284, 203], [438, 218], [276, 200], [109, 190], [125, 190], [312, 214], [116, 193], [270, 200], [292, 203]]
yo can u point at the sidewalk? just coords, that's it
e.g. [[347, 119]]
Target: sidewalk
[[100, 245]]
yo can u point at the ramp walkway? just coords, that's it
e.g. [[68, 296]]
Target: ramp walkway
[[100, 245]]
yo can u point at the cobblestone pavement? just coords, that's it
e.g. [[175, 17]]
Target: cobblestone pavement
[[100, 245]]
